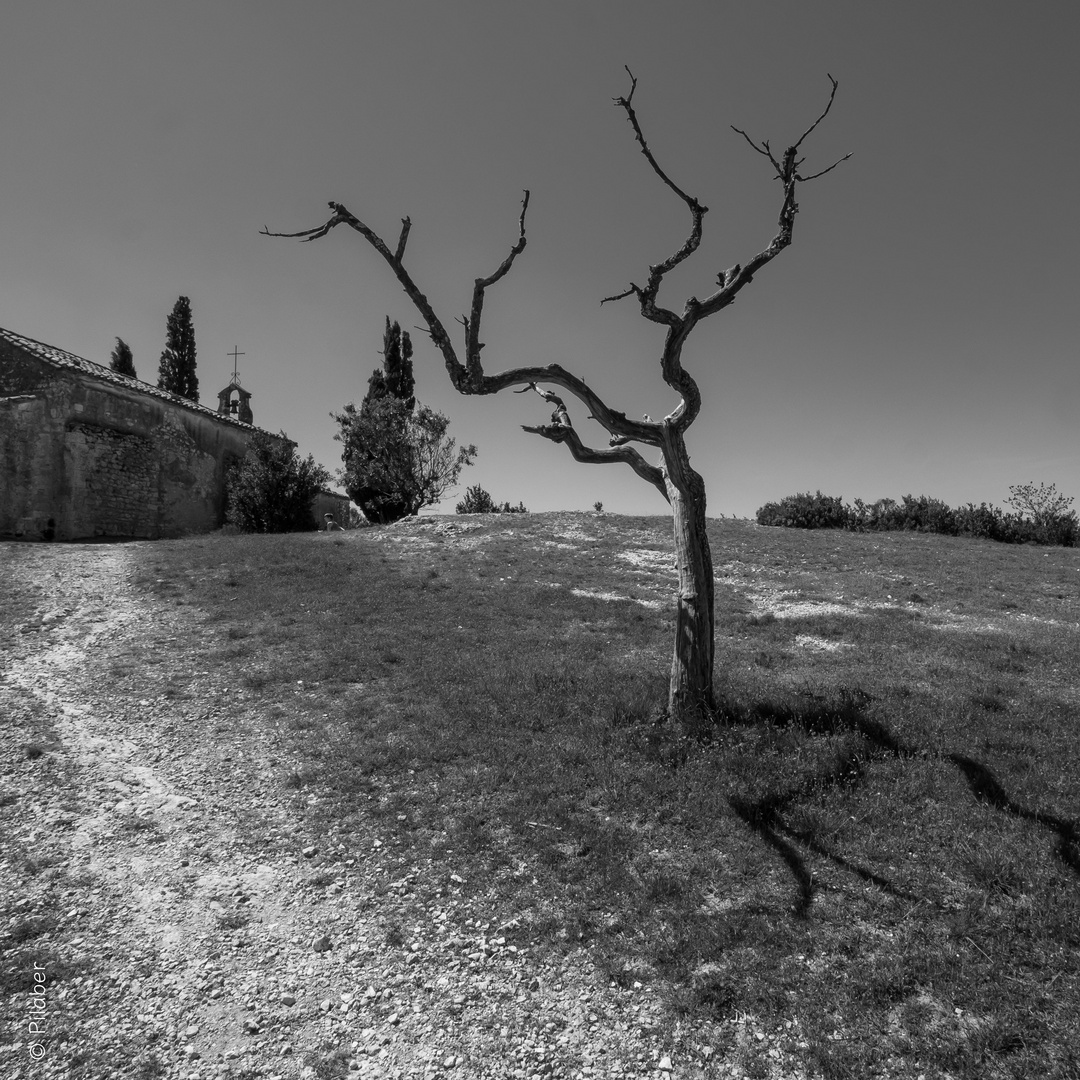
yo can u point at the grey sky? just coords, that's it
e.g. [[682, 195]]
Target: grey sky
[[919, 336]]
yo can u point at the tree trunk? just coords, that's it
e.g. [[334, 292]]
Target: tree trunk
[[690, 696]]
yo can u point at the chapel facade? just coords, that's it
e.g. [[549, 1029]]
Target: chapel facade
[[87, 452]]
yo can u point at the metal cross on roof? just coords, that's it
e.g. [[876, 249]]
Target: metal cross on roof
[[234, 354]]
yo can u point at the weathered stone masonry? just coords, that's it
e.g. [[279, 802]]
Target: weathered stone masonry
[[86, 452]]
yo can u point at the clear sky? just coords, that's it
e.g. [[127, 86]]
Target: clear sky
[[920, 335]]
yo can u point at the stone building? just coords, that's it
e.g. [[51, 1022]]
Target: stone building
[[87, 452]]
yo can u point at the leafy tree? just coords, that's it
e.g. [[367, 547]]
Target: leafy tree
[[397, 459], [690, 694], [176, 372], [121, 360], [272, 489], [1047, 509], [397, 455]]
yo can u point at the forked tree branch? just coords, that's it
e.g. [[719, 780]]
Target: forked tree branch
[[647, 296], [473, 345], [469, 378], [730, 282], [624, 102], [561, 433]]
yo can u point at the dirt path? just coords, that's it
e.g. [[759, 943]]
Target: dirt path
[[165, 913], [131, 834]]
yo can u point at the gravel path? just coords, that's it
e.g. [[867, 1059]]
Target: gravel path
[[165, 913]]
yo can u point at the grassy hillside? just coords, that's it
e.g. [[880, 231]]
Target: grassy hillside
[[878, 851]]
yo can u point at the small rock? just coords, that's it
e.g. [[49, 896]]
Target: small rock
[[309, 852], [664, 1064], [321, 944], [287, 999]]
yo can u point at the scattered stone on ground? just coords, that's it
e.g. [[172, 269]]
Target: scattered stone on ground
[[156, 867]]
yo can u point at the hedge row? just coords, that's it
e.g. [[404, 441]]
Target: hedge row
[[919, 513]]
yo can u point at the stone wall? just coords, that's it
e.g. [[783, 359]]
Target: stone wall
[[84, 454], [25, 456], [329, 502], [114, 476]]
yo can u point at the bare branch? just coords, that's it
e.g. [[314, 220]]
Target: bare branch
[[803, 179], [439, 336], [764, 149], [632, 291], [473, 344], [647, 296], [825, 113], [624, 103], [471, 379], [306, 234], [587, 454], [615, 422], [787, 171], [406, 225], [678, 326]]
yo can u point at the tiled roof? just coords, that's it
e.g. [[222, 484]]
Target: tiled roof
[[69, 361]]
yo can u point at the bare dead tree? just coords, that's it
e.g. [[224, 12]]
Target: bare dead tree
[[691, 687]]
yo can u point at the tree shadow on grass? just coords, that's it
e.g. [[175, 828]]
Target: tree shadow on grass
[[986, 788], [844, 714], [766, 815]]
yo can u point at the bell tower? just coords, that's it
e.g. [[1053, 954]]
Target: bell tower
[[234, 399]]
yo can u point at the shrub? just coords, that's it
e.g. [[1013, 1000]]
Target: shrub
[[805, 512], [478, 501], [1041, 516], [272, 489], [922, 514], [982, 521]]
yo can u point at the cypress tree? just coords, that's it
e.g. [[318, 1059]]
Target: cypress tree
[[176, 372], [121, 360], [395, 377]]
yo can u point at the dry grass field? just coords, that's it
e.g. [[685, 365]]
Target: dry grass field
[[876, 854]]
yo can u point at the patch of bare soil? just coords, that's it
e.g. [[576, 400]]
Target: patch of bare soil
[[166, 911]]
